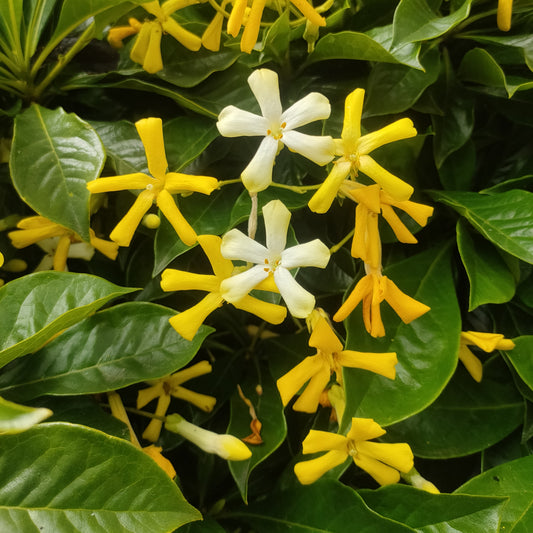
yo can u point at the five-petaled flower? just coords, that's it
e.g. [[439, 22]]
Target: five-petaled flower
[[330, 358], [159, 187], [273, 260], [188, 322], [147, 48], [488, 342], [354, 149], [277, 127], [383, 461]]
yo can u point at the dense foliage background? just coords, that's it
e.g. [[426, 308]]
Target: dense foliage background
[[69, 102]]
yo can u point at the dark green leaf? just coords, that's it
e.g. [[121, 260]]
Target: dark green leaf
[[457, 173], [15, 418], [37, 306], [126, 344], [113, 486], [520, 357]]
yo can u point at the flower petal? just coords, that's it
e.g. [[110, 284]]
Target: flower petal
[[290, 383], [488, 342], [236, 16], [237, 287], [406, 308], [235, 122], [140, 47], [401, 129], [319, 149], [310, 397], [472, 363], [323, 198], [151, 133], [309, 12], [362, 289], [380, 363], [299, 301], [397, 455], [269, 312], [265, 86], [383, 474], [320, 441], [351, 128], [257, 176], [313, 253], [314, 106], [124, 230], [221, 266], [364, 429], [188, 39], [277, 218], [308, 472], [181, 280], [251, 27], [238, 246], [504, 14], [153, 62], [396, 187], [176, 182], [168, 207], [324, 338], [137, 180]]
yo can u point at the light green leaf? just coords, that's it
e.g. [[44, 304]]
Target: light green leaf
[[126, 344], [54, 155], [511, 480], [415, 20], [467, 417], [506, 218], [491, 281], [431, 341], [10, 23], [15, 418], [429, 513], [37, 306], [520, 357], [112, 485], [36, 15]]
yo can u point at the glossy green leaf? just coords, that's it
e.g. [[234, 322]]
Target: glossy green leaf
[[426, 348], [457, 173], [479, 66], [277, 39], [54, 155], [325, 506], [491, 281], [415, 20], [506, 218], [52, 301], [126, 344], [113, 486], [467, 417], [15, 418], [521, 359], [36, 15], [511, 480], [427, 513], [10, 22], [269, 410]]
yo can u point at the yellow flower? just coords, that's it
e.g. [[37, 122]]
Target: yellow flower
[[1, 259], [488, 342], [330, 358], [159, 187], [382, 461], [58, 241], [168, 386], [253, 21], [147, 48], [354, 149], [505, 11], [372, 289]]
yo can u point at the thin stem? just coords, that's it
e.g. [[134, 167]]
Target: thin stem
[[252, 221], [341, 243], [300, 189], [228, 182]]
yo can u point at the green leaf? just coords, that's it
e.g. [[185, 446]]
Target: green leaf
[[520, 357], [126, 344], [479, 66], [435, 512], [511, 480], [506, 218], [491, 281], [429, 342], [325, 506], [395, 88], [415, 20], [10, 22], [36, 15], [277, 39], [37, 306], [269, 410], [457, 172], [15, 418], [112, 486], [54, 155], [466, 418]]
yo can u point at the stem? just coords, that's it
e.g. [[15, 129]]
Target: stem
[[300, 189], [228, 182], [252, 221], [341, 243]]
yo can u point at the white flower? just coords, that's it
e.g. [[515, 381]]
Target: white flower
[[273, 260], [77, 250], [277, 126]]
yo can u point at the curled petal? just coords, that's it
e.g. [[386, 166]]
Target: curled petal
[[320, 150], [401, 129], [363, 288], [324, 338], [299, 301], [153, 61], [211, 35], [399, 455], [308, 472], [382, 473], [235, 122], [155, 453], [118, 34], [107, 248], [310, 397], [488, 342], [171, 6], [257, 176], [277, 218], [290, 383], [269, 312], [237, 287], [314, 106], [397, 188], [140, 47], [150, 131], [202, 401], [364, 429], [238, 246], [236, 17], [313, 253], [399, 228], [221, 266], [320, 441], [185, 37], [251, 28], [324, 196], [24, 237], [380, 363], [471, 362], [124, 230], [265, 86], [406, 308], [168, 206]]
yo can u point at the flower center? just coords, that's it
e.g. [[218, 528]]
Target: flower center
[[277, 131], [352, 450], [271, 265]]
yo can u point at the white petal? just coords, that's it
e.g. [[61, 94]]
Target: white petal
[[277, 218], [257, 176], [238, 246], [320, 150], [314, 253], [299, 301], [81, 250], [314, 106], [265, 86], [234, 122], [237, 287], [48, 245]]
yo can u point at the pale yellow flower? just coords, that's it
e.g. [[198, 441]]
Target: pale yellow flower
[[383, 461]]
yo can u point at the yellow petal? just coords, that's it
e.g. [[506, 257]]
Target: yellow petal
[[137, 180], [364, 429], [171, 6], [383, 474], [176, 182], [308, 472], [269, 312], [202, 401], [324, 196], [60, 257], [154, 8], [221, 266], [363, 287], [168, 206], [188, 39], [472, 363], [353, 109], [397, 188], [488, 342], [251, 29], [124, 230], [320, 441], [290, 383], [140, 47], [401, 129], [211, 36], [406, 308], [310, 397], [145, 396], [155, 453], [505, 11], [107, 248], [324, 338], [380, 363], [399, 228], [418, 212], [181, 280], [181, 376], [236, 17], [399, 455], [116, 35], [25, 237], [153, 430], [369, 196], [153, 62], [309, 12], [150, 131]]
